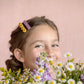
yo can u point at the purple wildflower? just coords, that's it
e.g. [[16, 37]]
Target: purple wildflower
[[45, 65], [35, 71], [48, 77], [37, 59], [47, 69], [82, 77]]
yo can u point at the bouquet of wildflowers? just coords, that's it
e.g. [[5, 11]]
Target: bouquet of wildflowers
[[68, 73]]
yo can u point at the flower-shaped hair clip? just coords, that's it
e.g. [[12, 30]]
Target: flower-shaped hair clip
[[26, 25]]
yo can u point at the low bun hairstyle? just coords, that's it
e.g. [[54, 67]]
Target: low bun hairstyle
[[18, 40]]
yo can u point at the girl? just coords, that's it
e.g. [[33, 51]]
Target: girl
[[29, 39]]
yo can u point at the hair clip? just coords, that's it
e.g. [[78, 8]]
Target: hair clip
[[22, 27], [26, 25]]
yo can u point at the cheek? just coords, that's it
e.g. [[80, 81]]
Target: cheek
[[58, 54], [30, 58], [29, 62]]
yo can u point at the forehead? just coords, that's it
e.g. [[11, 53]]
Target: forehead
[[42, 32], [43, 29]]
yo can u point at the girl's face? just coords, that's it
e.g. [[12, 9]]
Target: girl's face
[[42, 39]]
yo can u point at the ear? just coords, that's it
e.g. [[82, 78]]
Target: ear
[[19, 55]]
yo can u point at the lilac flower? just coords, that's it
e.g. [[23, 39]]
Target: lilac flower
[[35, 71], [46, 76], [47, 69], [40, 63], [82, 77], [37, 59], [45, 65]]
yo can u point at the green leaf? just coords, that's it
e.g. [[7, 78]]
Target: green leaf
[[72, 60], [19, 71], [2, 69], [0, 82], [4, 74], [31, 79], [9, 71], [18, 74], [62, 76], [46, 82]]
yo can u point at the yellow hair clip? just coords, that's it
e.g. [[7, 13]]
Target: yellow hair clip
[[22, 27]]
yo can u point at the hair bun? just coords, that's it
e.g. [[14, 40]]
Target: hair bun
[[14, 64]]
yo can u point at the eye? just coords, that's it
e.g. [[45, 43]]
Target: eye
[[55, 45], [38, 46]]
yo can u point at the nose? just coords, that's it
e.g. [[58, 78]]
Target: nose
[[50, 52]]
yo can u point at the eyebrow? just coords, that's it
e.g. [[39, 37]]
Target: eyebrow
[[37, 41], [55, 40], [42, 41]]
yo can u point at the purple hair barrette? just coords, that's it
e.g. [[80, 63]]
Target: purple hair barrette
[[27, 25]]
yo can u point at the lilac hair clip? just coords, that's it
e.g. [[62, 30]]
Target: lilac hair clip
[[26, 25]]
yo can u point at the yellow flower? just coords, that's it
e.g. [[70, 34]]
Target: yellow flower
[[51, 82], [70, 66], [29, 83], [35, 83], [20, 83], [63, 80], [41, 70], [71, 81], [58, 73], [37, 77], [79, 82], [59, 64], [25, 79], [43, 58], [19, 80], [68, 54], [6, 82], [50, 61], [16, 82]]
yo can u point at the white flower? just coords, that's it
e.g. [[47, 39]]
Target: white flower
[[58, 73], [6, 82], [70, 66], [79, 82], [20, 79], [37, 77], [20, 82], [41, 70], [41, 83], [50, 60], [15, 82], [34, 82], [51, 82], [44, 58], [59, 64], [29, 83], [63, 80], [71, 81], [25, 79], [68, 54]]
